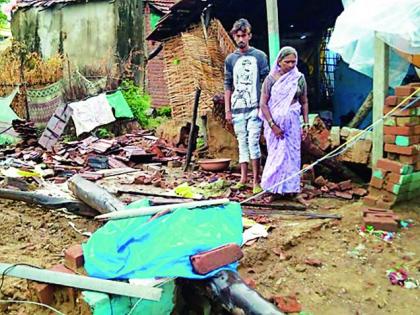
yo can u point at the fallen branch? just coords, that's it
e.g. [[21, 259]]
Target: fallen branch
[[276, 206], [93, 195]]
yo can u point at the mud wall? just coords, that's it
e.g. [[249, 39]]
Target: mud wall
[[87, 33]]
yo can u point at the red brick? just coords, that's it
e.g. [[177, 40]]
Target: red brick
[[390, 139], [393, 178], [320, 181], [344, 194], [45, 293], [381, 223], [391, 100], [250, 282], [360, 192], [400, 131], [400, 112], [391, 166], [206, 262], [345, 185], [373, 210], [404, 90], [393, 148], [376, 182], [73, 257], [61, 268]]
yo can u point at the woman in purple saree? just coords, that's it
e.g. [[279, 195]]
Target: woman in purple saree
[[283, 98]]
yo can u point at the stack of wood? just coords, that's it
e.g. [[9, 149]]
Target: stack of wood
[[397, 177]]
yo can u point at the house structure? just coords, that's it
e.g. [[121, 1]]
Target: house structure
[[87, 33]]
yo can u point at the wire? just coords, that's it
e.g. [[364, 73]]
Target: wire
[[141, 299], [342, 148], [34, 303], [5, 271]]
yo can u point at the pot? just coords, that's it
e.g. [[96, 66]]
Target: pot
[[214, 165]]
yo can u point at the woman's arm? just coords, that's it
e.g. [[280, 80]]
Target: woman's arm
[[265, 97], [303, 99]]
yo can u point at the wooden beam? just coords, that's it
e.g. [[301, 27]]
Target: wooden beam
[[380, 89], [81, 282], [273, 29], [130, 213]]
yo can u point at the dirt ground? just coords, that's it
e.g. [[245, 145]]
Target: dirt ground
[[342, 285]]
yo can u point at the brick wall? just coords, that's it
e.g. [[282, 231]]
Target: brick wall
[[155, 80]]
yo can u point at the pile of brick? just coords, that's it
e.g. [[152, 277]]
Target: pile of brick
[[397, 177]]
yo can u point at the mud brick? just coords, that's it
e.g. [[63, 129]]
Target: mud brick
[[404, 90], [394, 167], [206, 262], [391, 100], [406, 141], [376, 182], [402, 131], [335, 136], [344, 194], [345, 185], [370, 200], [393, 148], [332, 186], [73, 257], [396, 178], [383, 223], [359, 192]]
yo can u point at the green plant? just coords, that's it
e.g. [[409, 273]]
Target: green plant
[[3, 17], [164, 111], [104, 133], [138, 101], [200, 143]]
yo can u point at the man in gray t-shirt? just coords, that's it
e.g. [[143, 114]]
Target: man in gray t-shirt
[[245, 70]]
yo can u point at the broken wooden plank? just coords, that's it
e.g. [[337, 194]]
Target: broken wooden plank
[[310, 215], [275, 205], [81, 282], [93, 195], [155, 209], [49, 202]]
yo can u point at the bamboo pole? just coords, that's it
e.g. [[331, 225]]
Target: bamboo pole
[[155, 209]]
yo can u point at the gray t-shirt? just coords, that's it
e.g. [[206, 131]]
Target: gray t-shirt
[[244, 73]]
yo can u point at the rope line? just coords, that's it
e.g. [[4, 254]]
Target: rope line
[[343, 147]]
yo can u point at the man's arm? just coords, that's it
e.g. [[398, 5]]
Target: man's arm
[[228, 84], [264, 67]]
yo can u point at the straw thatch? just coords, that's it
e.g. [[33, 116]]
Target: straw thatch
[[192, 61]]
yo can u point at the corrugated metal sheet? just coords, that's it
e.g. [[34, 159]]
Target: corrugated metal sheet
[[162, 5]]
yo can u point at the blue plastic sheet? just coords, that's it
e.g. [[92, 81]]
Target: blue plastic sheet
[[138, 248]]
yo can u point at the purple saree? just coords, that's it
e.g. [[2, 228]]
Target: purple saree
[[283, 154]]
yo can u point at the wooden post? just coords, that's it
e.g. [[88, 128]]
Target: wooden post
[[380, 89], [193, 122], [273, 29]]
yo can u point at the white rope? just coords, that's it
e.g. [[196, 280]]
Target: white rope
[[34, 303], [342, 148]]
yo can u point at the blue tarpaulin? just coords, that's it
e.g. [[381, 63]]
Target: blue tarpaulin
[[138, 248]]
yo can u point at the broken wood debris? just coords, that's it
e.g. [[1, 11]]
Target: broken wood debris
[[155, 209]]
